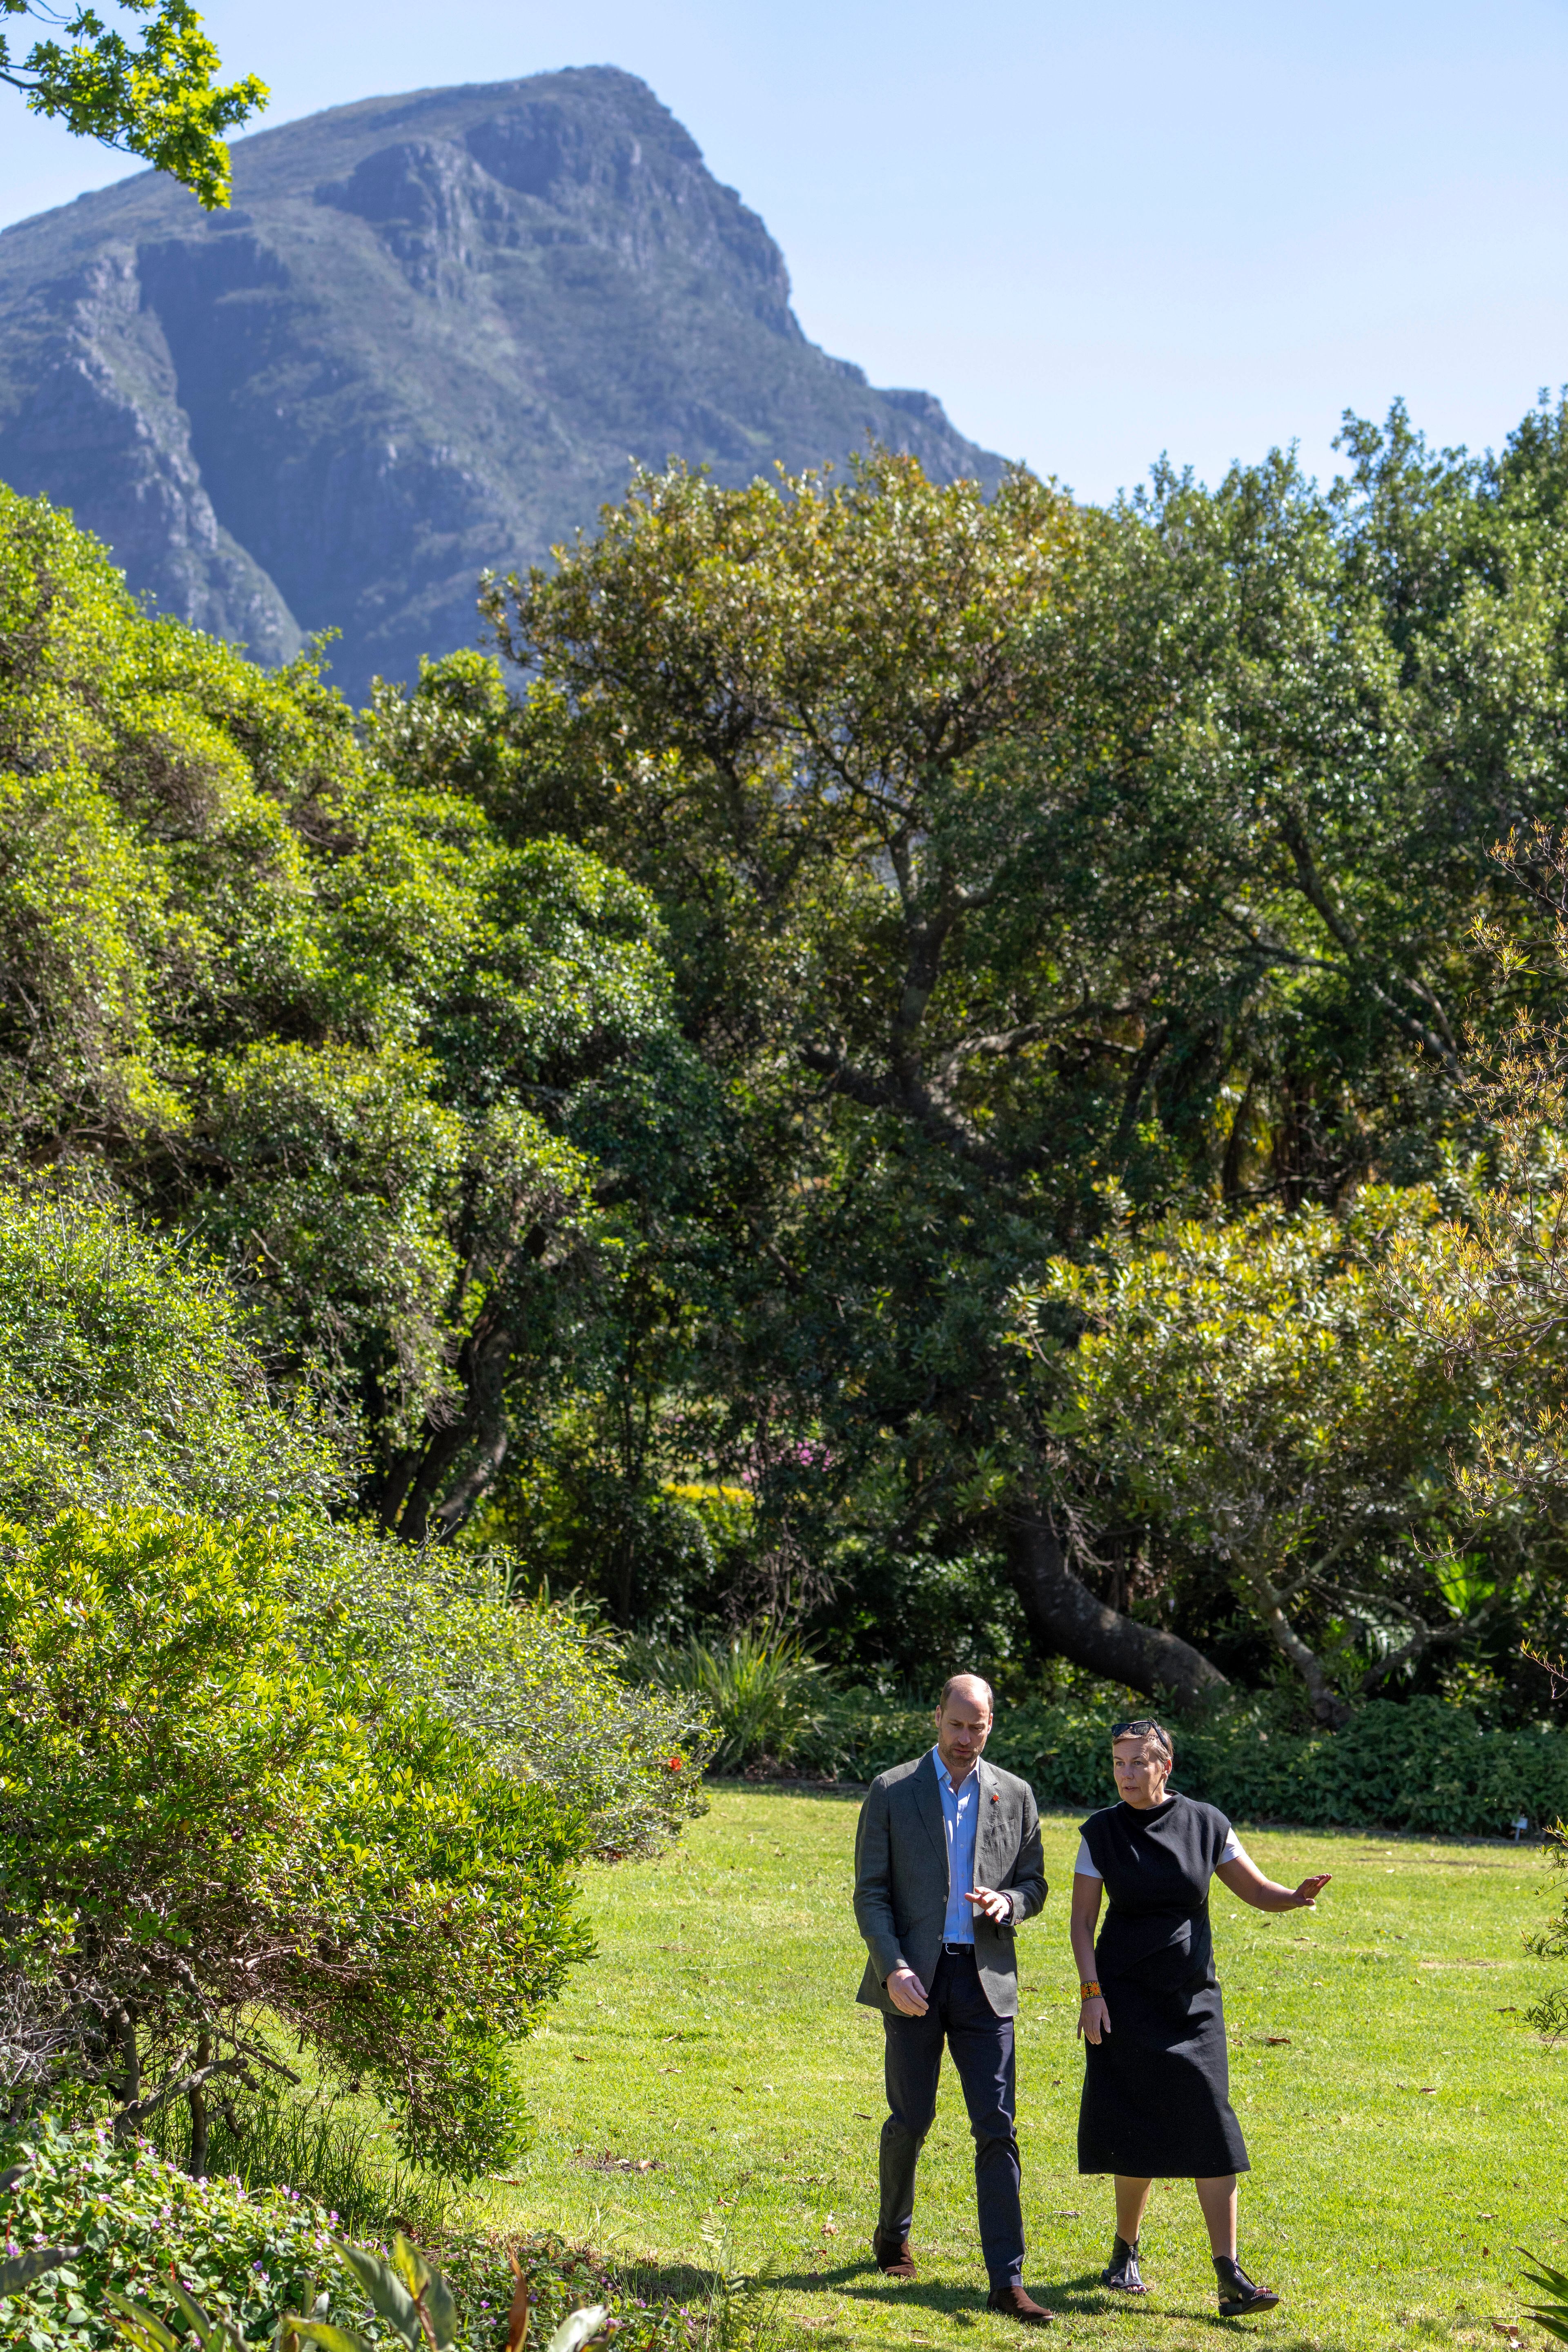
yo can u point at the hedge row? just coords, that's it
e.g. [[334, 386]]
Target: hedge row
[[1418, 1764]]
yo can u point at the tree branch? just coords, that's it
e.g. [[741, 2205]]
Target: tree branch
[[1340, 929], [179, 2086]]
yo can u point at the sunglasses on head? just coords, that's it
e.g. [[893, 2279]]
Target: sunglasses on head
[[1140, 1724]]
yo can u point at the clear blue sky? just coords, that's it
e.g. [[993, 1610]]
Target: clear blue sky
[[1096, 232]]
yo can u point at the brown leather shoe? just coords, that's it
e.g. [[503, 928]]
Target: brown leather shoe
[[894, 2262], [1018, 2306]]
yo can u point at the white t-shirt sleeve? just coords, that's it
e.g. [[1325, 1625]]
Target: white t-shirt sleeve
[[1232, 1851]]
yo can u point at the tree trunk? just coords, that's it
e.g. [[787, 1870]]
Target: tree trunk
[[197, 2098], [1065, 1619], [1328, 1706]]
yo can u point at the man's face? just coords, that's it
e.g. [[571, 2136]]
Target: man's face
[[962, 1728]]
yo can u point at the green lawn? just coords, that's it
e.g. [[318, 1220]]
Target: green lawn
[[1406, 2131]]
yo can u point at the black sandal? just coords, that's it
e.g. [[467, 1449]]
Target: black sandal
[[1122, 2272], [1238, 2294]]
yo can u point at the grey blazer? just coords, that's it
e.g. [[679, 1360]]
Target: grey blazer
[[900, 1879]]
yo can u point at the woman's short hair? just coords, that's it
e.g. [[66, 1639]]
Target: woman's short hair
[[1143, 1727]]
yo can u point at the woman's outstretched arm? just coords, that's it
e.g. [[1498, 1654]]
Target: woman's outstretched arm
[[1244, 1878]]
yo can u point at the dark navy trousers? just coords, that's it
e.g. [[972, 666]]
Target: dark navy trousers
[[982, 2047]]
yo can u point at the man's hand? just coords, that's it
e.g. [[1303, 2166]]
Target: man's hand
[[1307, 1894], [907, 1994], [997, 1908]]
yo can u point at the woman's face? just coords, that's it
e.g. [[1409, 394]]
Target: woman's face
[[1142, 1768]]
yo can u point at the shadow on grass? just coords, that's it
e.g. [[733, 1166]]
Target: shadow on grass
[[831, 1792], [678, 2282], [860, 2283]]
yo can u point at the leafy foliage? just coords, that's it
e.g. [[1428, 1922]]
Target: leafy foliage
[[128, 1378], [662, 1086], [205, 1824], [250, 2257], [1016, 858], [156, 99], [1552, 2315], [1248, 1382], [1420, 1764], [758, 1687], [258, 1767], [324, 1020]]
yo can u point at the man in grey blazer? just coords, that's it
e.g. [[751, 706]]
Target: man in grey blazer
[[947, 1864]]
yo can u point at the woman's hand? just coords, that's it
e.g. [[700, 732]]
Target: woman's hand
[[1094, 2019], [1244, 1879]]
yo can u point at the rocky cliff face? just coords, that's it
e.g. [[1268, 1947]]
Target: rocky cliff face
[[428, 339]]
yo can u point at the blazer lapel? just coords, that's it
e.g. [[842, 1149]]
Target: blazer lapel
[[929, 1800], [985, 1827]]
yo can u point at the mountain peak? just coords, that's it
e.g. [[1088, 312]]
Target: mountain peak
[[428, 339]]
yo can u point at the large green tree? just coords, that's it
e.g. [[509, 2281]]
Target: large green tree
[[325, 1020], [1011, 850], [1246, 1382]]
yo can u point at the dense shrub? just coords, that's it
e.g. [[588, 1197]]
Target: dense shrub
[[126, 1379], [267, 990], [761, 1690], [1421, 1764], [537, 1685], [205, 1824], [257, 1763], [245, 2256]]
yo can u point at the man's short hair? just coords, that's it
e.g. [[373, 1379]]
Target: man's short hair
[[951, 1684]]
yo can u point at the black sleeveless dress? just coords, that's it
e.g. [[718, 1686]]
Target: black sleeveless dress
[[1156, 2089]]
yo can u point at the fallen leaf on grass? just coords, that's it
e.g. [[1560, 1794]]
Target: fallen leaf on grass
[[830, 2228], [1505, 2327], [862, 2119], [1428, 2090], [1074, 2216], [672, 2070], [577, 2061], [1277, 2041]]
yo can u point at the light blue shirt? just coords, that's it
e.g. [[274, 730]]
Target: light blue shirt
[[961, 1818]]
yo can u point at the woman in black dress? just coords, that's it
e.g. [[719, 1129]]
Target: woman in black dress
[[1156, 2087]]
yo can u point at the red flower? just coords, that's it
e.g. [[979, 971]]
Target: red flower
[[675, 1763]]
